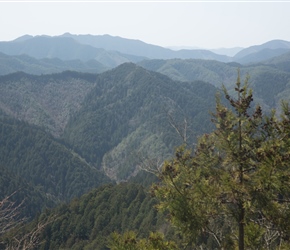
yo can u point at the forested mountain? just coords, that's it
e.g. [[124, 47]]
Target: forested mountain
[[36, 157], [271, 45], [123, 113], [269, 81], [31, 65], [121, 116], [214, 72], [262, 55], [65, 133], [281, 62], [91, 53], [46, 100], [126, 117], [23, 194]]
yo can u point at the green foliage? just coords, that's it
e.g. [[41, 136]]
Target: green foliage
[[11, 64], [35, 156], [126, 114], [87, 222], [233, 190], [129, 241], [28, 198], [280, 62], [144, 178], [46, 100], [270, 79], [210, 71]]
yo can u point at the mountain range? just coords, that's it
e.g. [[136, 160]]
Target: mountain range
[[111, 118], [113, 114], [100, 52], [82, 115], [31, 65]]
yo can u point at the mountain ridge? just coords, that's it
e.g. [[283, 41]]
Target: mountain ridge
[[64, 48], [127, 112], [39, 159], [112, 51], [273, 44], [45, 100], [139, 48], [10, 64]]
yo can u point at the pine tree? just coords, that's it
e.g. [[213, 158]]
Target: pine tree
[[129, 241], [233, 190]]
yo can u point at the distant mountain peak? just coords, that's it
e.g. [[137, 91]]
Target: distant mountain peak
[[66, 34], [273, 44], [112, 51], [23, 38]]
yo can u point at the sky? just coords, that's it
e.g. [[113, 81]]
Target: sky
[[202, 24]]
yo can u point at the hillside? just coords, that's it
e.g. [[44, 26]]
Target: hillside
[[23, 195], [214, 72], [67, 137], [269, 82], [125, 117], [87, 222], [122, 113], [121, 116], [281, 62], [31, 65], [262, 55], [46, 100], [272, 45], [35, 156]]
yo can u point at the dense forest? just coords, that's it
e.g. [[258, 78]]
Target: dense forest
[[130, 152]]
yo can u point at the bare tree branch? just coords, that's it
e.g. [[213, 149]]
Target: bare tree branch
[[9, 213]]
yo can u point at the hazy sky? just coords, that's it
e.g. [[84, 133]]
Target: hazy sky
[[205, 24]]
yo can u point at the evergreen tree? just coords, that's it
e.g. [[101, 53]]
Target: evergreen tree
[[233, 190], [129, 241]]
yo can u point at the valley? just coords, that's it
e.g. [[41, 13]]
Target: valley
[[83, 117]]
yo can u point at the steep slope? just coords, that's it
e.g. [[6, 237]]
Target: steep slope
[[46, 100], [64, 48], [26, 199], [270, 85], [40, 160], [125, 118], [86, 223], [30, 65]]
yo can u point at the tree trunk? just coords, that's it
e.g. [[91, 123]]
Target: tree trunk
[[241, 227]]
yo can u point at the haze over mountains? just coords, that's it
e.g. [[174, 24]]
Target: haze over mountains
[[79, 112], [101, 52]]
